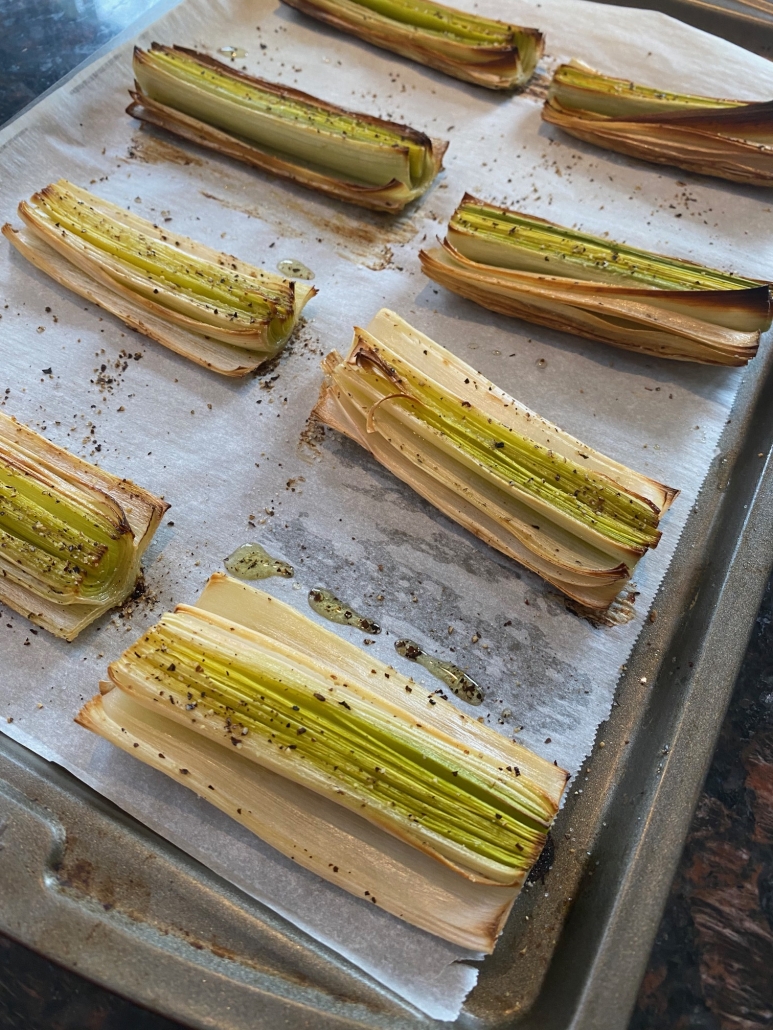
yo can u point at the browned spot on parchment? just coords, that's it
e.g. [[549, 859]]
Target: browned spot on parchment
[[153, 150], [359, 236]]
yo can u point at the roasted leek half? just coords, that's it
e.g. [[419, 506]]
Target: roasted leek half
[[355, 157], [206, 305], [577, 518], [475, 49], [731, 139], [71, 534], [516, 264], [334, 758]]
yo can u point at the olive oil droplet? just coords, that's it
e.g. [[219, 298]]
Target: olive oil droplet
[[330, 607], [294, 269], [458, 681], [251, 561]]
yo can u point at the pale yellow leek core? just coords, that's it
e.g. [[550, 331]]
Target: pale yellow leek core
[[64, 544], [510, 239], [283, 121], [578, 88]]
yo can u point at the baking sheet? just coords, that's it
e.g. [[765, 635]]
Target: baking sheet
[[227, 454]]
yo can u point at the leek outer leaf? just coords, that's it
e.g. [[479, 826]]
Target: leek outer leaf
[[336, 759], [206, 305], [729, 139], [71, 535], [520, 265], [579, 519], [468, 47], [355, 157]]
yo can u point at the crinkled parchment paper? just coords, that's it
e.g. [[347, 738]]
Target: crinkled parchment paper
[[227, 455]]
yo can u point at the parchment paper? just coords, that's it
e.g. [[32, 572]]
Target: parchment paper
[[227, 454]]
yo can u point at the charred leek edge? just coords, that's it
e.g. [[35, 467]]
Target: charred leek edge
[[407, 763], [475, 49], [198, 301], [731, 139], [71, 535], [355, 157], [524, 266], [574, 516]]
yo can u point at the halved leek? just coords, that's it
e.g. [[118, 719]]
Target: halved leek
[[334, 758], [731, 139], [524, 266], [475, 49], [355, 157], [71, 534], [206, 305], [579, 519]]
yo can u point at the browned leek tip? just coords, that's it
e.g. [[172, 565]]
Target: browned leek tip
[[727, 139]]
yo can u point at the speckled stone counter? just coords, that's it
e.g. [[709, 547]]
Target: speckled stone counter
[[712, 963]]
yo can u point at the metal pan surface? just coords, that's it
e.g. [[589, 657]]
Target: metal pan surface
[[95, 890]]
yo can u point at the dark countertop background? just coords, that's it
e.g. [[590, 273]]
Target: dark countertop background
[[711, 966]]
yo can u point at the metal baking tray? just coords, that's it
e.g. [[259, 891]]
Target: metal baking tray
[[91, 888], [749, 23]]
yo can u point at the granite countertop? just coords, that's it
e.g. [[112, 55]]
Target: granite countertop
[[712, 962]]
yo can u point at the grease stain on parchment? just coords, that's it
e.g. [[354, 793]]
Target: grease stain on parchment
[[152, 150], [363, 237]]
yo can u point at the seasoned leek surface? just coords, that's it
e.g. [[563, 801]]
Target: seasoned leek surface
[[58, 538], [288, 108], [510, 239], [516, 460], [284, 121], [410, 776], [442, 20]]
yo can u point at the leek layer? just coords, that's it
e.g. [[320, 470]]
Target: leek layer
[[579, 519], [469, 47], [200, 302], [731, 139], [336, 759], [520, 265], [71, 535], [354, 156]]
